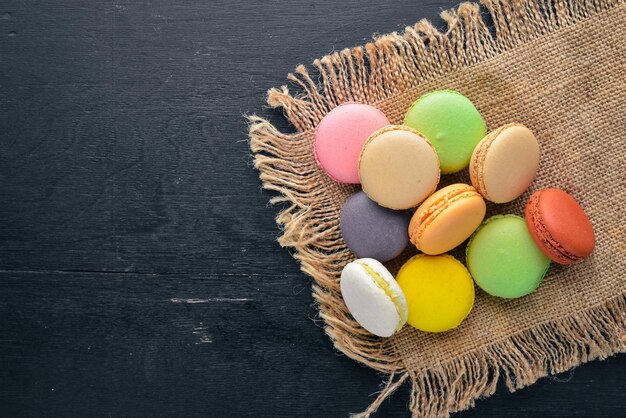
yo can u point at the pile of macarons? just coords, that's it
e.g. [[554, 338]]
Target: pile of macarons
[[399, 168]]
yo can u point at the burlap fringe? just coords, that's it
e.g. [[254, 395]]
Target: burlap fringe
[[396, 62], [520, 360], [383, 69], [285, 167]]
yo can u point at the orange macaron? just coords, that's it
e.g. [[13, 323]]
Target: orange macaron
[[559, 226], [446, 219]]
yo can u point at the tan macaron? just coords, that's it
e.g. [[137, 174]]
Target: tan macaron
[[398, 167], [504, 163], [446, 219]]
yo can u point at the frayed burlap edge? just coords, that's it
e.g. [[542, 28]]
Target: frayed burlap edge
[[382, 69], [520, 359]]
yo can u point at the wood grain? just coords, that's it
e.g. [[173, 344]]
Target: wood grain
[[139, 273]]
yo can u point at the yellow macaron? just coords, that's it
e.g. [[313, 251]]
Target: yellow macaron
[[439, 292]]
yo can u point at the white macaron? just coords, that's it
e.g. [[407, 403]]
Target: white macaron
[[373, 297]]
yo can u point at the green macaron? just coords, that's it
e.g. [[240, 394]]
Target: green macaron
[[451, 123], [503, 258]]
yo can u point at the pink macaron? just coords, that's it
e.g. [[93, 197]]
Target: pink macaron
[[340, 136]]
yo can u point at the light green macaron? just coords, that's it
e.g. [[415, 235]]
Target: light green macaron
[[503, 258], [451, 123]]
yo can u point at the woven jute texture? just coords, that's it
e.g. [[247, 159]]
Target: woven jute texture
[[557, 66]]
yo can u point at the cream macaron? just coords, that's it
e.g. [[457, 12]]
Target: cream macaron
[[373, 297], [398, 167], [504, 163]]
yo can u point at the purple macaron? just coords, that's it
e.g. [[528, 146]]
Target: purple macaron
[[372, 231]]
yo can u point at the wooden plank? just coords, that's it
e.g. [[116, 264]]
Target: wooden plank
[[84, 344], [139, 273]]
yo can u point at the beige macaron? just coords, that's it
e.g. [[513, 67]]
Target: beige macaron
[[504, 163], [398, 167]]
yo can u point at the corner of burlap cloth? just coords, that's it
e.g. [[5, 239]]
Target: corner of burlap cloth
[[558, 66]]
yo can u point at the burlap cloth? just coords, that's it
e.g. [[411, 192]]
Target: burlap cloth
[[557, 66]]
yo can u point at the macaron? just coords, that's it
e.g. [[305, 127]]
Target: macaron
[[372, 231], [340, 135], [373, 297], [398, 167], [505, 162], [451, 123], [559, 226], [446, 219], [439, 292], [504, 259]]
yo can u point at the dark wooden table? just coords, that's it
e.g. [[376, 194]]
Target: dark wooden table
[[139, 273]]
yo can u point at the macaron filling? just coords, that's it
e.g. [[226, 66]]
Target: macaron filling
[[481, 156], [429, 216], [544, 233], [384, 285]]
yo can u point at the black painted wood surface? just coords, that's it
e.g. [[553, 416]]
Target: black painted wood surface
[[139, 273]]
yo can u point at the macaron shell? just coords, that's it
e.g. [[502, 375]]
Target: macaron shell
[[372, 231], [451, 123], [439, 292], [542, 237], [504, 163], [447, 218], [398, 167], [340, 135], [369, 304], [504, 259], [560, 226]]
